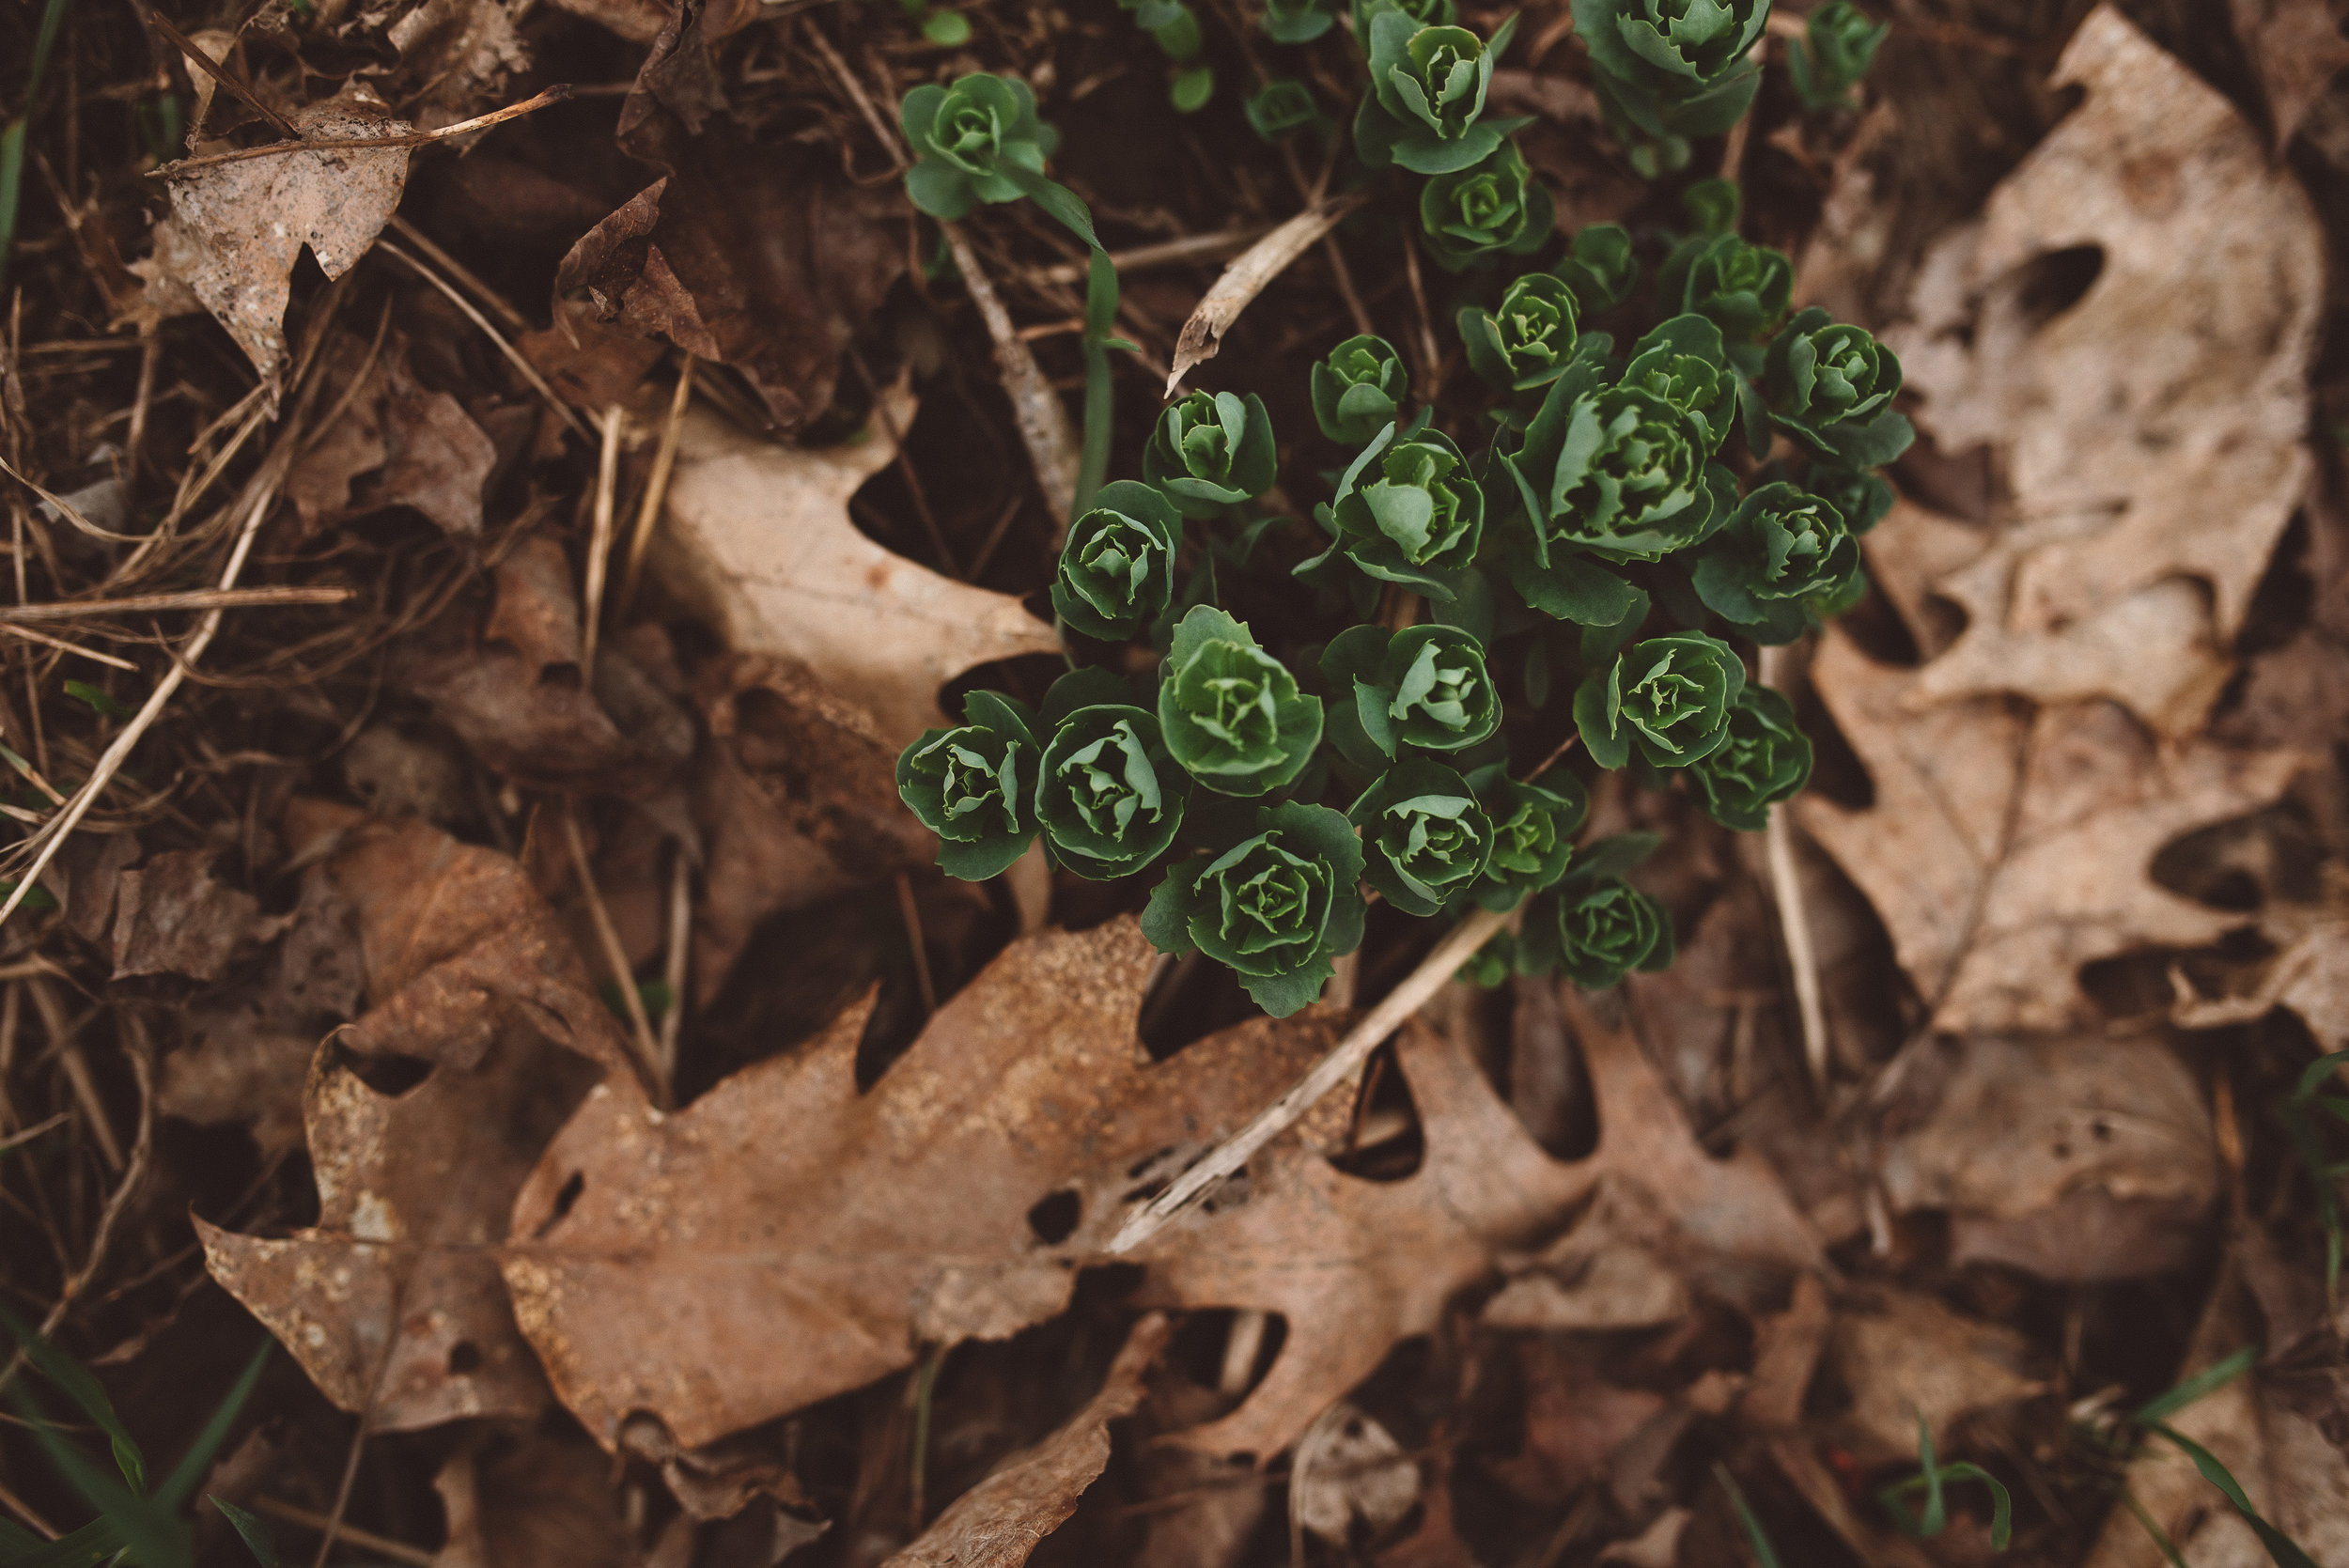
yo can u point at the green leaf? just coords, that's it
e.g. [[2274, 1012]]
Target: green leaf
[[102, 702], [181, 1483], [2208, 1381], [250, 1530], [948, 30], [79, 1385], [1764, 1556], [2282, 1549]]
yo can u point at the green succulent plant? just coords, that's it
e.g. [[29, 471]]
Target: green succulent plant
[[1425, 686], [1674, 68], [1668, 697], [974, 785], [1740, 288], [1409, 511], [1494, 206], [1831, 385], [1231, 713], [1862, 498], [1685, 362], [1767, 759], [1212, 450], [1783, 562], [1108, 794], [970, 141], [1426, 13], [1276, 908], [1298, 21], [1427, 95], [1426, 839], [1592, 930], [1281, 107], [1358, 388], [1533, 826], [1599, 266], [1839, 43], [1527, 343], [1174, 26], [1117, 567]]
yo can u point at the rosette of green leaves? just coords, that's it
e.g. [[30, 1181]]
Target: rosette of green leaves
[[1594, 927], [974, 785], [1608, 474], [964, 135], [1117, 569], [1425, 840], [1685, 362], [1669, 696], [1599, 266], [1428, 92], [1174, 26], [1298, 21], [1529, 342], [1425, 686], [1830, 385], [1741, 287], [1108, 794], [1210, 451], [1231, 712], [1281, 106], [1274, 908], [1407, 511], [1838, 45], [1533, 826], [1767, 759], [1783, 563], [1494, 206], [1424, 13], [1862, 498], [1674, 68], [1358, 388]]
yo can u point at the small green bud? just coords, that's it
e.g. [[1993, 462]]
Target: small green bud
[[1529, 342], [1358, 389], [1767, 759], [974, 785], [1212, 450], [1117, 569], [1275, 907], [1231, 712]]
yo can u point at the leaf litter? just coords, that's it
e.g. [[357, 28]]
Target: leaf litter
[[1505, 1297]]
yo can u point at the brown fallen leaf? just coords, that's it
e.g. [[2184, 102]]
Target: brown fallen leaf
[[2006, 849], [1347, 1467], [392, 1302], [1575, 1422], [544, 1501], [455, 55], [236, 1070], [241, 225], [1906, 1354], [998, 1523], [2296, 49], [757, 541], [701, 1270], [173, 916], [1248, 275], [2099, 331], [421, 447]]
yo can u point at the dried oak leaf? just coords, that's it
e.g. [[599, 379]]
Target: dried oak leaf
[[392, 1302], [701, 1268], [2006, 848], [241, 225], [173, 916], [457, 54], [1906, 1356], [758, 541], [998, 1523], [2074, 1158], [2151, 428]]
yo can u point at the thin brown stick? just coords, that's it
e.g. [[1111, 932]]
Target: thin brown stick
[[657, 487], [599, 539], [23, 1511], [368, 143], [1218, 247], [75, 649], [1345, 1058], [882, 130], [1044, 427], [399, 1551], [614, 955], [193, 598], [911, 912], [513, 356], [674, 967], [1430, 356], [210, 67], [515, 320], [1794, 915]]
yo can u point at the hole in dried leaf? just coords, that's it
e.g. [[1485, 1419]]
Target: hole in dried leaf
[[1385, 1142], [564, 676], [1054, 1217], [386, 1074], [572, 1187], [2241, 863], [2052, 283], [464, 1358], [1188, 1000]]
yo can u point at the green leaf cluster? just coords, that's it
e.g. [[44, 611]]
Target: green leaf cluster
[[1669, 70], [1838, 45]]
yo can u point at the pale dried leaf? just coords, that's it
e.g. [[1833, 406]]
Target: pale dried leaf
[[1911, 1356], [757, 538], [2003, 851], [1348, 1467], [2296, 49], [238, 1071], [998, 1523], [459, 53], [1657, 1546], [1248, 275], [173, 916], [245, 222], [2151, 430]]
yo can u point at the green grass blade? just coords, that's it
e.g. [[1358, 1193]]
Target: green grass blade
[[2317, 1072], [12, 139], [78, 1384], [2001, 1505], [251, 1530], [2282, 1549], [2161, 1537], [2209, 1380], [93, 1543], [179, 1485], [1764, 1556]]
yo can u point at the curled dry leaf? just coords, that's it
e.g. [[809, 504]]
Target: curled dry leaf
[[2005, 850], [998, 1523], [758, 541], [2150, 422], [173, 916], [1346, 1468], [698, 1268], [241, 225], [2076, 1158], [1250, 274], [456, 54], [392, 1302]]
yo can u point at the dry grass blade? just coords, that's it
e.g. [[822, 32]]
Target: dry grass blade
[[513, 356], [195, 599], [366, 144], [1246, 278], [1044, 427]]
